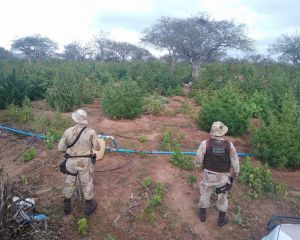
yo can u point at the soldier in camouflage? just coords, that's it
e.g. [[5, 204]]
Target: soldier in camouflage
[[217, 156], [83, 166]]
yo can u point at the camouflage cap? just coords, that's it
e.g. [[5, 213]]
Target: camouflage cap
[[218, 129], [80, 117]]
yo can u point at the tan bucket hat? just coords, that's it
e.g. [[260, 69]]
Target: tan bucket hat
[[218, 129], [80, 116]]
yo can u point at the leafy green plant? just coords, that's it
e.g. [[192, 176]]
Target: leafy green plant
[[155, 202], [199, 96], [13, 89], [82, 226], [237, 219], [29, 155], [54, 128], [260, 181], [24, 179], [191, 180], [185, 108], [147, 183], [153, 104], [21, 114], [109, 236], [122, 99], [182, 161], [277, 140], [167, 142], [142, 138], [227, 106]]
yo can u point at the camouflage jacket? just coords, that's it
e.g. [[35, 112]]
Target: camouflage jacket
[[85, 144]]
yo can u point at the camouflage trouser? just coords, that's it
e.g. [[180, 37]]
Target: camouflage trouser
[[84, 167], [209, 183]]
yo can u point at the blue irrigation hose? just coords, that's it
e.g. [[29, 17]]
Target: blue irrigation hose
[[117, 150], [121, 150], [39, 136]]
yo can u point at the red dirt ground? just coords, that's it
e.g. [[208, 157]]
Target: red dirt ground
[[114, 188]]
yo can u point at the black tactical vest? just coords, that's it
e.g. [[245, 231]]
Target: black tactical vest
[[217, 157]]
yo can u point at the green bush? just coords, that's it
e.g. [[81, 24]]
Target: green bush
[[55, 129], [182, 161], [29, 155], [277, 140], [82, 226], [199, 96], [21, 114], [147, 183], [191, 180], [12, 89], [259, 104], [227, 106], [260, 180], [122, 99], [153, 104], [63, 95]]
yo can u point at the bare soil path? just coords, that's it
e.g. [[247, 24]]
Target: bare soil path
[[113, 189]]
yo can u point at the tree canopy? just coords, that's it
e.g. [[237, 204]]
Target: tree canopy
[[5, 53], [197, 39], [75, 51], [288, 46], [109, 50], [35, 47]]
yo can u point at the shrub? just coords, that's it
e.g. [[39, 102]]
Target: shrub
[[82, 226], [185, 108], [260, 180], [153, 104], [259, 104], [12, 89], [122, 99], [191, 180], [29, 155], [147, 182], [199, 96], [182, 161], [24, 179], [228, 106], [21, 114], [142, 138], [155, 201], [55, 128], [277, 141], [63, 95]]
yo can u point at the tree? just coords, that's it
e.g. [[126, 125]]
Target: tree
[[4, 53], [35, 47], [259, 59], [197, 39], [109, 50], [289, 48], [75, 51], [161, 36]]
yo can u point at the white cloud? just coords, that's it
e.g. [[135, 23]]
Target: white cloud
[[124, 35], [61, 21], [64, 20]]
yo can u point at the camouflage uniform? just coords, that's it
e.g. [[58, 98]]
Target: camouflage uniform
[[212, 180], [84, 146]]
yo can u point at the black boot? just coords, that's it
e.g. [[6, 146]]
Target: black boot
[[90, 206], [222, 219], [67, 206], [202, 214]]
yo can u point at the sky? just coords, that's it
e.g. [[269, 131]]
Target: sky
[[65, 21]]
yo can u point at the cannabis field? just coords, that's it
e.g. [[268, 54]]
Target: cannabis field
[[149, 106]]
